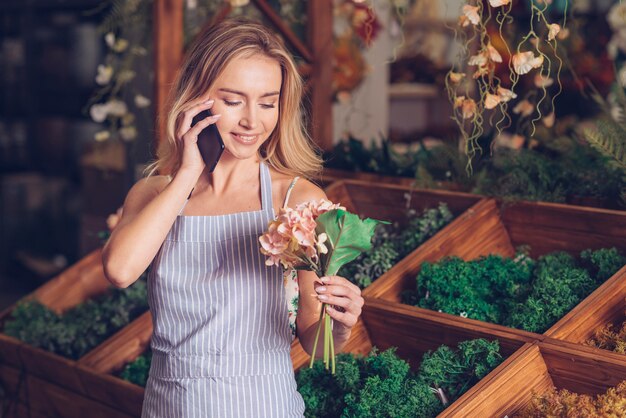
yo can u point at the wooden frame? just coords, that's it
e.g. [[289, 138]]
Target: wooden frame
[[169, 53]]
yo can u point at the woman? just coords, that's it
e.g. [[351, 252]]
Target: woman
[[221, 340]]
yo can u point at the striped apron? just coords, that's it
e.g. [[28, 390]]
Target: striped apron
[[221, 340]]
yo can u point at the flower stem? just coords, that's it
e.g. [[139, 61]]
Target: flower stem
[[317, 334]]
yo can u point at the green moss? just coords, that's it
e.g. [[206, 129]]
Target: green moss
[[519, 293], [137, 371], [81, 328]]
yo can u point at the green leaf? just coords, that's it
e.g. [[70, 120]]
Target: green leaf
[[348, 236]]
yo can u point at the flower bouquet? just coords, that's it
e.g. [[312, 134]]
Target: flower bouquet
[[321, 237]]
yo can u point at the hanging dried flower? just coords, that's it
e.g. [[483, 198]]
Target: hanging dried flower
[[468, 108], [105, 72], [524, 62], [542, 81], [491, 101], [505, 94], [456, 77], [553, 31], [493, 53], [471, 13], [498, 3]]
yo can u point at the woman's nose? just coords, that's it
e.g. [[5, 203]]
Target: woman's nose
[[249, 118]]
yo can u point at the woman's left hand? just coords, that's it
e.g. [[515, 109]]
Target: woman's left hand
[[343, 299]]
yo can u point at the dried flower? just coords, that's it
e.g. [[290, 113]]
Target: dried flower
[[542, 81], [102, 136], [105, 72], [128, 133], [491, 101], [524, 62], [553, 31], [498, 3], [549, 120], [468, 108], [505, 94], [471, 13], [524, 108], [456, 77], [99, 112], [493, 53]]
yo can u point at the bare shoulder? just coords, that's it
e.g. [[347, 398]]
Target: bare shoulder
[[305, 191]]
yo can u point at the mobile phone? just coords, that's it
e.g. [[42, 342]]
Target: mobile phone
[[210, 141]]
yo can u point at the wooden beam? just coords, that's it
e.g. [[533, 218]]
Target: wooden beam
[[320, 16], [284, 29], [168, 54]]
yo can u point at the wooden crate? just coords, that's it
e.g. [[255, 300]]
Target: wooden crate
[[78, 283], [535, 369], [496, 228], [606, 305], [333, 175]]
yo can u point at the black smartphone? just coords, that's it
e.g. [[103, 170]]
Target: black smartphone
[[210, 142]]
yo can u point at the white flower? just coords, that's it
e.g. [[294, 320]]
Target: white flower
[[117, 107], [523, 62], [109, 38], [505, 94], [491, 101], [102, 136], [128, 133], [471, 13], [463, 315], [498, 3], [105, 72], [553, 31], [321, 239], [142, 101], [99, 112]]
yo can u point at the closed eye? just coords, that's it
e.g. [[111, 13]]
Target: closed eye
[[227, 103], [268, 106]]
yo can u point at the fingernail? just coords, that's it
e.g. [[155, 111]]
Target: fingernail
[[210, 101], [320, 289], [216, 116], [325, 279], [322, 297]]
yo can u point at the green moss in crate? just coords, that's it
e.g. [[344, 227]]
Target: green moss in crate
[[137, 371], [563, 403], [382, 385], [391, 243], [520, 293], [81, 328]]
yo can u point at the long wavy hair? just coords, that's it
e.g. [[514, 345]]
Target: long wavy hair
[[289, 148]]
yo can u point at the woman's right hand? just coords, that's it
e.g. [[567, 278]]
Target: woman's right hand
[[192, 159]]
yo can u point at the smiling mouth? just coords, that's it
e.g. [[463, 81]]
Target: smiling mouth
[[246, 139]]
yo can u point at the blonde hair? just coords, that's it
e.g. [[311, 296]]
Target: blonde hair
[[288, 149]]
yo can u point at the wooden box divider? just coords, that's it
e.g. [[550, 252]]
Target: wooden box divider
[[606, 305], [535, 369], [491, 227]]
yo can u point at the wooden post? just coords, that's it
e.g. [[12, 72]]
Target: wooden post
[[320, 30], [168, 53]]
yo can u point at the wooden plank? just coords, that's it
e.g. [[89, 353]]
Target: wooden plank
[[284, 30], [168, 54], [320, 39], [44, 397], [606, 305], [478, 231], [571, 228]]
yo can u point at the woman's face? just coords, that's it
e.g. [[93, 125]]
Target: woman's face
[[247, 96]]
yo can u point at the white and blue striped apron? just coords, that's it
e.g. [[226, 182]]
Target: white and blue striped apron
[[221, 340]]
